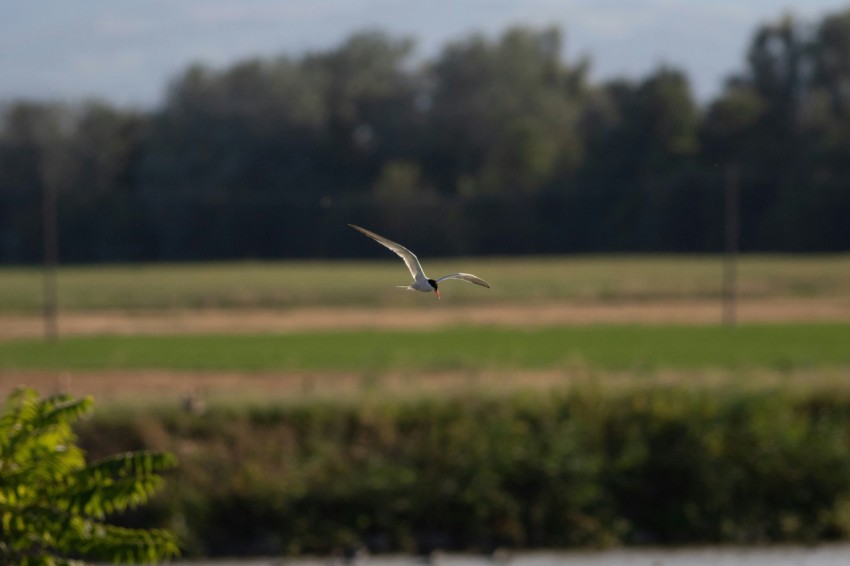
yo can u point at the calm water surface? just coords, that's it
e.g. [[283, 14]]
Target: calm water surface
[[832, 555]]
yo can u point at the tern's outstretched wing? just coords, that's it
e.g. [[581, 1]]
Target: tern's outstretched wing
[[466, 277], [408, 256]]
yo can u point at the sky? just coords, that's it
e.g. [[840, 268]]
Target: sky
[[126, 52]]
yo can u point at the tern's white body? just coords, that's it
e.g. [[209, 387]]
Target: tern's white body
[[421, 282]]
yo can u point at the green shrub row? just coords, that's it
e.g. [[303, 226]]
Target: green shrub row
[[584, 467]]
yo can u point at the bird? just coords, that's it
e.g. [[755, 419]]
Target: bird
[[421, 282]]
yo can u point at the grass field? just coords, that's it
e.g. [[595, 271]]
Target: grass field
[[339, 283], [635, 348], [632, 315], [573, 429]]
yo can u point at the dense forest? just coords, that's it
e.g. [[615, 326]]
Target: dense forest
[[494, 146]]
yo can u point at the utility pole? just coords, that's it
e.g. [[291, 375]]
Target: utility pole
[[730, 267], [51, 256]]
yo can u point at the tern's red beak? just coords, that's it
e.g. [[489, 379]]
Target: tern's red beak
[[437, 292]]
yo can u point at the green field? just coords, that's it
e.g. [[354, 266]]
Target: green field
[[638, 348], [679, 434], [289, 284]]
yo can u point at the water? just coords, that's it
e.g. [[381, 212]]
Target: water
[[827, 555]]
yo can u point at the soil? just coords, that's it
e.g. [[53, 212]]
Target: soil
[[326, 318], [190, 388], [187, 388]]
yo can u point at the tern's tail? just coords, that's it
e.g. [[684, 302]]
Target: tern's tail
[[406, 287]]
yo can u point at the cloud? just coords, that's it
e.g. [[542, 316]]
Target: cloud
[[224, 13], [119, 26], [95, 65], [127, 51]]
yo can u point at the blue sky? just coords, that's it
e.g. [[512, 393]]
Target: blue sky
[[126, 51]]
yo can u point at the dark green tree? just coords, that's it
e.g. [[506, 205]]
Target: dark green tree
[[783, 122], [102, 218], [503, 113], [242, 161], [34, 143], [54, 506], [271, 157], [642, 143]]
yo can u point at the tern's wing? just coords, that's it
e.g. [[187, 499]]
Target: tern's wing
[[466, 277], [408, 256]]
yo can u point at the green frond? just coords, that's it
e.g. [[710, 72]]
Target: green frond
[[116, 483], [25, 410], [100, 499], [101, 542], [62, 409], [20, 410], [135, 464], [37, 432], [52, 505]]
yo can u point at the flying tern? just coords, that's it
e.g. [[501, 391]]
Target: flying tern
[[421, 282]]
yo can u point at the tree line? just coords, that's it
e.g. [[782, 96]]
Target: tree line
[[494, 146]]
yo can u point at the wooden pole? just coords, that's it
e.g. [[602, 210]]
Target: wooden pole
[[51, 260], [730, 268]]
